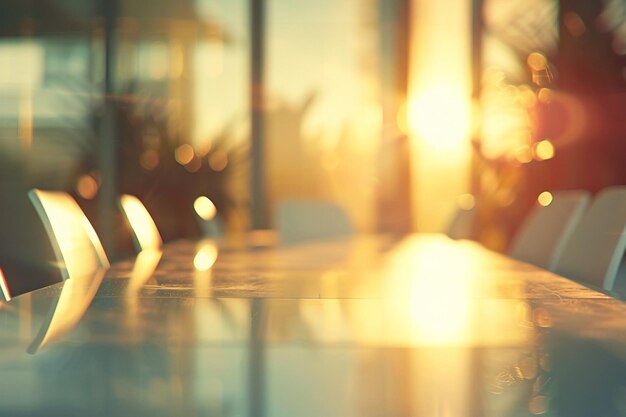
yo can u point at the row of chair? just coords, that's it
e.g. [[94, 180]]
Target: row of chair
[[79, 252], [76, 246], [574, 235]]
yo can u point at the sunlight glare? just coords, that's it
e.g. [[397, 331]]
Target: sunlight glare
[[441, 307], [440, 116]]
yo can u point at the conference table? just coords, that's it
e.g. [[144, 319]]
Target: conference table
[[416, 325]]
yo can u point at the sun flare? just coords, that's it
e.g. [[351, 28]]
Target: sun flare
[[440, 117]]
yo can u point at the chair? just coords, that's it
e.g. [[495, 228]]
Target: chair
[[545, 230], [207, 217], [462, 224], [4, 287], [75, 243], [593, 252], [310, 220], [144, 230]]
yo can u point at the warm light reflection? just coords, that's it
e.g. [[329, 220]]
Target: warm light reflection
[[431, 295], [545, 198], [143, 227], [76, 296], [435, 291], [205, 208], [441, 117], [143, 268], [4, 287], [205, 256], [441, 307], [76, 245], [544, 150]]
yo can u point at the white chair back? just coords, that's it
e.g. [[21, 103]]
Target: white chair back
[[76, 246], [144, 230], [309, 220], [593, 252], [544, 232], [206, 216], [462, 224]]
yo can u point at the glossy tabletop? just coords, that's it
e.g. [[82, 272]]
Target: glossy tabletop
[[371, 326]]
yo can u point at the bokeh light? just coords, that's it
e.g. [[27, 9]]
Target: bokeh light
[[184, 154], [205, 208], [149, 159], [537, 61], [545, 198], [218, 161], [87, 187], [544, 150]]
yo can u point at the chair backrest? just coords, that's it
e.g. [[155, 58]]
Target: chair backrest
[[544, 232], [144, 230], [309, 220], [207, 217], [462, 224], [75, 243], [4, 287], [594, 250]]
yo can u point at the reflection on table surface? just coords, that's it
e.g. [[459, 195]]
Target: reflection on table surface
[[370, 326]]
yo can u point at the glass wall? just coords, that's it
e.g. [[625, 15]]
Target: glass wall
[[152, 98], [146, 98], [324, 114], [182, 86]]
